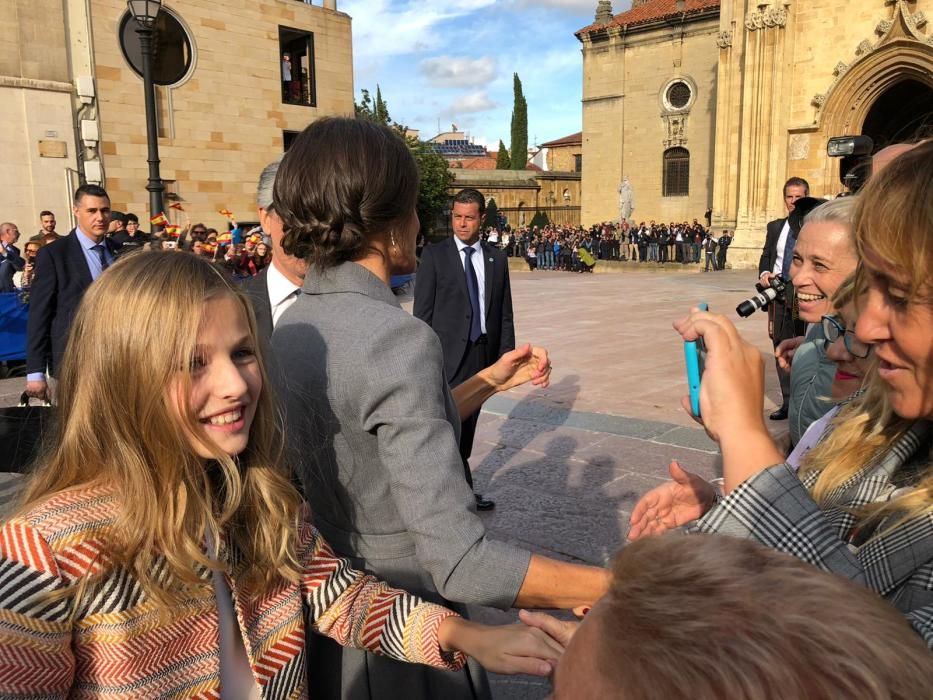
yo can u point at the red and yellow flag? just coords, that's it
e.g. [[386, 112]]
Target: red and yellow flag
[[225, 237], [159, 220], [225, 212], [177, 205], [173, 230]]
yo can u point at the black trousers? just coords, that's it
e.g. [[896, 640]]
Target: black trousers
[[475, 358], [784, 326]]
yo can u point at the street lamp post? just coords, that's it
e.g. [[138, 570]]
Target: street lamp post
[[145, 13]]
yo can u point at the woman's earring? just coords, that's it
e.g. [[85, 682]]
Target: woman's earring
[[392, 238]]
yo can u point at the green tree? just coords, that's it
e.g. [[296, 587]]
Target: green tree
[[519, 155], [540, 219], [436, 178], [492, 215], [432, 168], [503, 162]]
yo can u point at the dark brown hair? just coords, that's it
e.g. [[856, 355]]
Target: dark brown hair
[[471, 196], [708, 617], [342, 182]]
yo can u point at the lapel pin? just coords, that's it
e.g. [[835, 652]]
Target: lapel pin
[[491, 260]]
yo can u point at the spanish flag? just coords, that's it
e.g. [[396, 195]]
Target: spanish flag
[[159, 220], [255, 238], [172, 230], [225, 237], [225, 212], [177, 205]]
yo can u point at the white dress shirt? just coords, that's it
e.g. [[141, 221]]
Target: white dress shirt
[[479, 265], [282, 292], [779, 251]]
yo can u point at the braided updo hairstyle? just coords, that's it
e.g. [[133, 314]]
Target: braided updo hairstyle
[[342, 182]]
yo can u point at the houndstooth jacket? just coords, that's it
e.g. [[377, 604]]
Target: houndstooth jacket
[[775, 508]]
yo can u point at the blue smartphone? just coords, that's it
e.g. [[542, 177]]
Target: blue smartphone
[[695, 357]]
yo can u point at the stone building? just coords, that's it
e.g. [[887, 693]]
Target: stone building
[[241, 79], [649, 106], [767, 83], [565, 154], [519, 194]]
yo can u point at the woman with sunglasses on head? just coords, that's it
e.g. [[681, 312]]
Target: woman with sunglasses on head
[[178, 560], [862, 503]]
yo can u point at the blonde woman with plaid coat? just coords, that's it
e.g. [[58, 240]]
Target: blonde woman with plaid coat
[[862, 503]]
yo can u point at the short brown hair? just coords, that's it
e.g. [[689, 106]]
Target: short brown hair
[[709, 617], [343, 181]]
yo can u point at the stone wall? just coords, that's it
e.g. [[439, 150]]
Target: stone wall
[[627, 125], [791, 77], [563, 158], [37, 139], [225, 123], [520, 193]]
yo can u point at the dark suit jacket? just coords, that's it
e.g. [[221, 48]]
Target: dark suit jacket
[[257, 289], [10, 263], [62, 277], [441, 301], [769, 252]]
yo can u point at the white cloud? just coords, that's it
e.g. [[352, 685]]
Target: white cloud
[[382, 28], [576, 6], [469, 103], [450, 71]]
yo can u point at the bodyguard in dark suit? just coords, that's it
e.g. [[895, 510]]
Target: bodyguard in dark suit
[[775, 260], [64, 271], [462, 291]]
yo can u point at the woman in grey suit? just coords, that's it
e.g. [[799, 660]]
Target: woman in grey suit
[[371, 417]]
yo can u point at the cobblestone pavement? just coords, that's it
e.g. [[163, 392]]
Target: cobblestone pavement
[[566, 464]]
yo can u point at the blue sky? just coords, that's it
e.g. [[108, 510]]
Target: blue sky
[[453, 62]]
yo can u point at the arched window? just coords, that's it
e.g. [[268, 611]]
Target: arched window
[[676, 181]]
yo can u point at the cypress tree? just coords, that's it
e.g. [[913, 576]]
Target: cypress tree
[[503, 162], [492, 215], [382, 111], [519, 155]]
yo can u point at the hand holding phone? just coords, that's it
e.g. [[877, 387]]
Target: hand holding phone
[[695, 358]]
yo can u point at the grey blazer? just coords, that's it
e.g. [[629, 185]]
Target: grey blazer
[[373, 432]]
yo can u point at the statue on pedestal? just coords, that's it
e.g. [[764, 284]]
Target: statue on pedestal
[[626, 200]]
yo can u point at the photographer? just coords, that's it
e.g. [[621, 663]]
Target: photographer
[[23, 278], [775, 260]]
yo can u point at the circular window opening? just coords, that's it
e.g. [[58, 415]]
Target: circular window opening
[[678, 95], [172, 49]]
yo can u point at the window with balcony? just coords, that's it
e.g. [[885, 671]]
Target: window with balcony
[[296, 59]]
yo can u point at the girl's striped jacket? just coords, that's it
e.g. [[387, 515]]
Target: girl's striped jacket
[[117, 646]]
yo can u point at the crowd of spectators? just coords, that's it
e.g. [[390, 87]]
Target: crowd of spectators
[[244, 255], [576, 248]]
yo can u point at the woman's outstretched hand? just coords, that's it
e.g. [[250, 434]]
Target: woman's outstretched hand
[[508, 649], [672, 504], [521, 365], [560, 631]]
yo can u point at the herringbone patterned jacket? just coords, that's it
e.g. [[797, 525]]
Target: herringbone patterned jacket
[[116, 646], [774, 507]]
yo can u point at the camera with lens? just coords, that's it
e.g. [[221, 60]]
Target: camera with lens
[[773, 291], [854, 153]]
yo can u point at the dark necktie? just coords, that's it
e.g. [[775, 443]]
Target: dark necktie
[[789, 246], [476, 329], [102, 255]]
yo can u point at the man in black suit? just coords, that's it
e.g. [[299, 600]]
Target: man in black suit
[[775, 260], [462, 291], [64, 270], [11, 261]]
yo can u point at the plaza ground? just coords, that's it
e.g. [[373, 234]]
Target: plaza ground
[[566, 464]]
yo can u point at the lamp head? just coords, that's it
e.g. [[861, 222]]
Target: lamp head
[[144, 11]]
